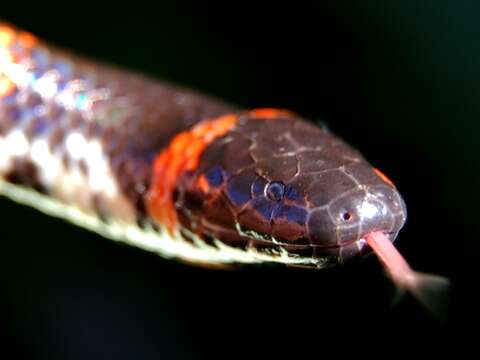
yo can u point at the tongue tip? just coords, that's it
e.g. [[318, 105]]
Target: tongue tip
[[429, 290], [432, 291]]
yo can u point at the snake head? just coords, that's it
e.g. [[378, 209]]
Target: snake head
[[274, 182]]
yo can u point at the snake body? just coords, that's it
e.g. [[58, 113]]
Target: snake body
[[178, 173]]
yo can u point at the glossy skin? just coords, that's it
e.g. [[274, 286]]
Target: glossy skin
[[285, 183], [90, 137]]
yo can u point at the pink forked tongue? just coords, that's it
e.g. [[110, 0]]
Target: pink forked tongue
[[430, 290]]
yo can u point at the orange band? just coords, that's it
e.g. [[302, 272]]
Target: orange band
[[183, 154], [383, 177], [269, 113], [9, 35]]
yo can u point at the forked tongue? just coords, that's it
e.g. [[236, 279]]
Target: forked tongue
[[430, 290]]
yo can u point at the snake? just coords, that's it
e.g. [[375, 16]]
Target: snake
[[184, 175]]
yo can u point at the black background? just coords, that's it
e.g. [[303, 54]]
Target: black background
[[399, 80]]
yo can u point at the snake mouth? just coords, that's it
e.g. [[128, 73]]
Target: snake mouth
[[250, 239], [363, 245], [303, 241], [390, 234], [360, 243]]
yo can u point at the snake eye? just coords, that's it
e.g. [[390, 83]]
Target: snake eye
[[275, 190], [346, 216]]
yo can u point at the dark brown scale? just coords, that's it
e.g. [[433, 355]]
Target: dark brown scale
[[82, 165], [34, 127], [66, 161], [10, 115], [187, 236], [56, 138], [74, 121], [25, 172], [28, 100], [100, 210], [134, 181]]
